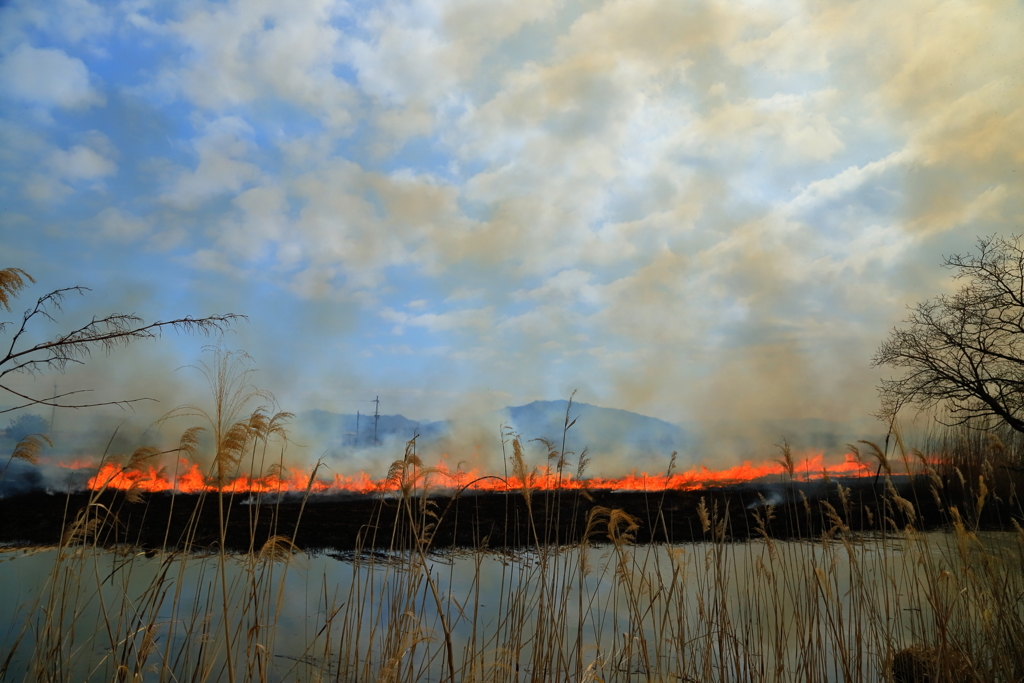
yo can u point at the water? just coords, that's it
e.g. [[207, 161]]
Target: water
[[735, 611]]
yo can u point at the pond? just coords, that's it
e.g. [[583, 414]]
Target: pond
[[834, 610]]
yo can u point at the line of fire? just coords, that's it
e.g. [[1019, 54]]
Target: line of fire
[[470, 509], [188, 478]]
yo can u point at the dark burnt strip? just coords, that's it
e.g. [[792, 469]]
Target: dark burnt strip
[[497, 520]]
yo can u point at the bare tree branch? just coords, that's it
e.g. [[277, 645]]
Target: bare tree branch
[[52, 401], [76, 346], [107, 334], [965, 351], [54, 299]]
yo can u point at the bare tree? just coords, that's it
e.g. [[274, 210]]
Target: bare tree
[[77, 345], [965, 352]]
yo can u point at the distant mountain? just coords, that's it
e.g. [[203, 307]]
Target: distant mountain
[[616, 438], [334, 430], [601, 430]]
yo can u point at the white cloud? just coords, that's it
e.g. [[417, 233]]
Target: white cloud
[[244, 51], [793, 128], [81, 20], [847, 181], [785, 48], [59, 172], [427, 54], [81, 163], [640, 185], [650, 30], [47, 77], [483, 24], [221, 168], [18, 142], [44, 189], [565, 289], [420, 64], [459, 293], [260, 221], [406, 62], [985, 206], [362, 222], [476, 319], [74, 21], [119, 226]]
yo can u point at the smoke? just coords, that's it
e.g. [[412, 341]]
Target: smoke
[[693, 211], [23, 477], [616, 443]]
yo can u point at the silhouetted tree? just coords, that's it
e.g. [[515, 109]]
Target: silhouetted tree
[[964, 352]]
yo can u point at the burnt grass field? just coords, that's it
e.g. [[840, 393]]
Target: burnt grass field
[[497, 520]]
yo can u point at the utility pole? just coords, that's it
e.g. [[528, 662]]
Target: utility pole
[[357, 427], [376, 419], [53, 410]]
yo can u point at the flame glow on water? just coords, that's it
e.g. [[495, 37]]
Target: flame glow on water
[[189, 478]]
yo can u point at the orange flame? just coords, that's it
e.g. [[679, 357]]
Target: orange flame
[[73, 464], [189, 479]]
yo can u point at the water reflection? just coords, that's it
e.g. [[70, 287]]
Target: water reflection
[[763, 610]]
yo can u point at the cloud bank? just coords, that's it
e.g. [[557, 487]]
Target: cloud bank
[[703, 211]]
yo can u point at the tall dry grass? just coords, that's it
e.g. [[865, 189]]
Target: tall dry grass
[[897, 605]]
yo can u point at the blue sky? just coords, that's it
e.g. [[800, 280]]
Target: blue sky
[[693, 210]]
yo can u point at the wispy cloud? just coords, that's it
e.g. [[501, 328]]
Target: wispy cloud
[[688, 209]]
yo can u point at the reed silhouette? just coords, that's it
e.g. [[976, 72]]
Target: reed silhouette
[[857, 591]]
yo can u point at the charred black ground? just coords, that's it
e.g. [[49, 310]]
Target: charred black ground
[[496, 520]]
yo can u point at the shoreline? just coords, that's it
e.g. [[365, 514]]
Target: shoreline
[[344, 522]]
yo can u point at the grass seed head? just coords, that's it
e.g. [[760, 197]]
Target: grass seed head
[[787, 461], [622, 527], [879, 455], [982, 494], [12, 280], [278, 548], [702, 512], [188, 444], [140, 457], [28, 448]]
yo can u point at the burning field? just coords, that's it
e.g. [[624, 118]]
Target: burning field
[[860, 567], [181, 508], [822, 571], [188, 478]]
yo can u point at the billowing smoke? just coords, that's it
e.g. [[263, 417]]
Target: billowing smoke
[[615, 442], [23, 477]]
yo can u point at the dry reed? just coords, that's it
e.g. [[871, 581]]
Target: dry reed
[[896, 605]]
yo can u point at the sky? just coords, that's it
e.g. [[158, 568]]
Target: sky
[[699, 211]]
